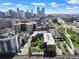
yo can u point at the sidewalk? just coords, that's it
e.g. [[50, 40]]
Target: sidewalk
[[24, 50]]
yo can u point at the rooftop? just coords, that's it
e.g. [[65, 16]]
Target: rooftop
[[48, 38], [29, 23], [6, 36]]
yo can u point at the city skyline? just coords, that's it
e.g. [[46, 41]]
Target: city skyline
[[51, 6]]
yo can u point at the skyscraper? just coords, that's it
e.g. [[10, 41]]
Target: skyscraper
[[11, 13], [22, 14], [18, 10], [2, 14], [18, 13], [32, 14], [40, 13], [43, 11]]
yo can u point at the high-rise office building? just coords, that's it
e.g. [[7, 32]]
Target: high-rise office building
[[2, 14], [7, 13], [40, 13], [32, 14], [18, 13], [11, 13], [43, 11], [28, 14], [18, 10], [22, 14]]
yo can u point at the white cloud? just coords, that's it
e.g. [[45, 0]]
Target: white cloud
[[4, 9], [54, 4], [20, 5], [65, 11], [72, 7], [5, 4], [73, 1], [38, 4]]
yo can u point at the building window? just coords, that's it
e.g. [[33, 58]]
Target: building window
[[2, 46], [23, 27], [34, 27], [9, 46]]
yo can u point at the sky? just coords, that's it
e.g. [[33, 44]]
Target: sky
[[51, 6]]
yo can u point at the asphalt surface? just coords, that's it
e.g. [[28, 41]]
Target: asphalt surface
[[40, 57]]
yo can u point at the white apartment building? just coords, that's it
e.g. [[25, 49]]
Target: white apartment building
[[11, 43], [24, 27], [7, 43]]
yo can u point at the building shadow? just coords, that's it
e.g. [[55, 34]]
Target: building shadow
[[49, 54], [7, 56]]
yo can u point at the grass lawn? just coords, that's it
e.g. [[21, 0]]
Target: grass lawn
[[37, 45], [36, 49], [74, 36], [61, 30], [76, 45]]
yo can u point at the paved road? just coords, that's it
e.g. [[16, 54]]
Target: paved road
[[25, 49], [40, 57], [63, 49], [27, 57], [67, 35]]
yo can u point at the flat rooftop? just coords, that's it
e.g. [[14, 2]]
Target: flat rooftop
[[29, 23], [6, 36], [48, 38]]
